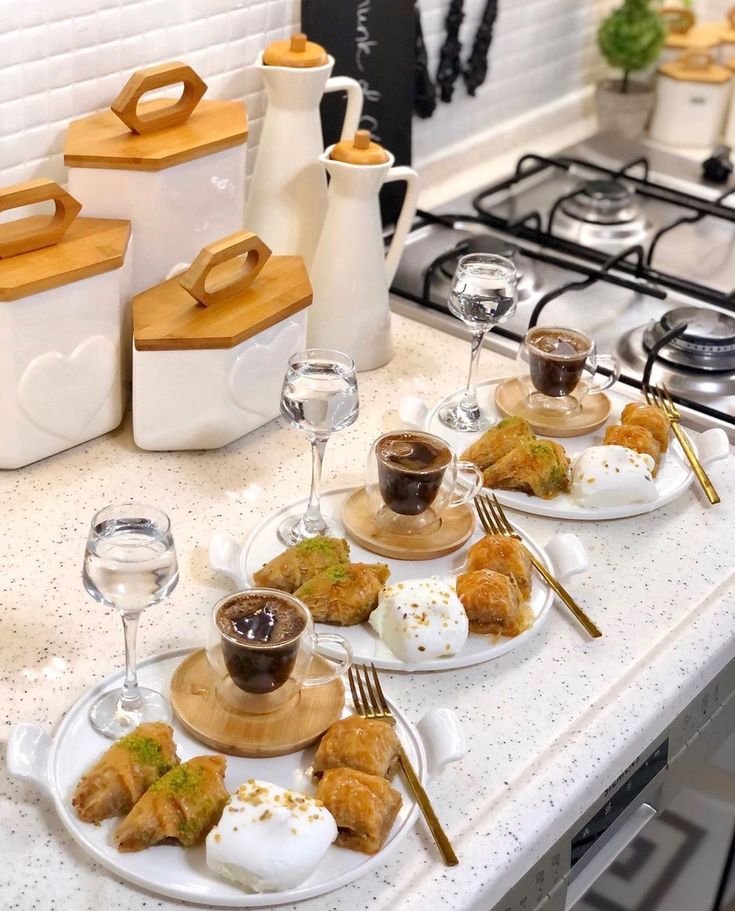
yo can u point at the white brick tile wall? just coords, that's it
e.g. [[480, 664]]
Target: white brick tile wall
[[61, 59]]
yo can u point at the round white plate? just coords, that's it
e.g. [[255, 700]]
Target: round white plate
[[673, 478], [56, 765], [564, 555]]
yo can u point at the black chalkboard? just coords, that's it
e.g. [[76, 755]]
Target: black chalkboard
[[372, 41]]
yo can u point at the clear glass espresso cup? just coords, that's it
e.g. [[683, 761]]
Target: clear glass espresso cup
[[412, 478], [256, 675], [556, 368]]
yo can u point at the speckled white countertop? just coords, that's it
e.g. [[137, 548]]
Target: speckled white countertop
[[549, 725]]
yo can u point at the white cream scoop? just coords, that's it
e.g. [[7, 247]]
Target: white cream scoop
[[612, 476]]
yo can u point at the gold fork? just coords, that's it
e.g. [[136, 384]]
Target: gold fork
[[661, 398], [371, 703], [495, 523]]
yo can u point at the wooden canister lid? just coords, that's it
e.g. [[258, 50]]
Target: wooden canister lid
[[233, 290], [696, 66], [42, 252], [154, 135], [359, 150], [295, 51]]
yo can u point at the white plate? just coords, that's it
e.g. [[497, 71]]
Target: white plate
[[56, 764], [673, 478], [563, 554]]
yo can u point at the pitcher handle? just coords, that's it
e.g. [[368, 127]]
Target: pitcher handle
[[403, 224], [353, 111]]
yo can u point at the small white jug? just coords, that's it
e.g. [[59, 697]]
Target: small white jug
[[351, 273], [287, 199]]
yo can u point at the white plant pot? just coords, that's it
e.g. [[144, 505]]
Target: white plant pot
[[624, 113]]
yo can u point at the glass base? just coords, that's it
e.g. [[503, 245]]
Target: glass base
[[547, 404], [292, 530], [425, 523], [472, 420], [111, 720]]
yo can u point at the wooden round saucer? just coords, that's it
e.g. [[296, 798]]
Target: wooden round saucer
[[511, 401], [210, 713], [358, 518]]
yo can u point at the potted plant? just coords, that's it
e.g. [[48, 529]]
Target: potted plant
[[630, 39]]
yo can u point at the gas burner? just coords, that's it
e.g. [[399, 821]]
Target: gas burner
[[485, 243], [604, 214], [603, 202], [700, 362], [708, 342]]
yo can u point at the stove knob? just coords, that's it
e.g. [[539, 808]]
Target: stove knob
[[718, 167]]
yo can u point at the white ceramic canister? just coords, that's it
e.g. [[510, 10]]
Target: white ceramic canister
[[175, 169], [287, 199], [691, 99], [62, 306], [351, 273], [210, 346], [729, 135]]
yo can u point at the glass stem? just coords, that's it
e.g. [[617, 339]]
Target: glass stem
[[130, 699], [468, 401], [313, 521]]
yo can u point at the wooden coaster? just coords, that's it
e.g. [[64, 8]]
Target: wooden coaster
[[215, 721], [358, 518], [511, 401]]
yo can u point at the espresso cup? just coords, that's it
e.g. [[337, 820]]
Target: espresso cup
[[413, 477], [260, 644], [557, 369]]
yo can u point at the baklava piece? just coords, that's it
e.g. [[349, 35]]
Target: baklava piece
[[493, 603], [181, 807], [503, 554], [364, 808], [537, 468], [639, 439], [363, 744], [498, 441], [299, 563], [345, 594], [125, 772], [648, 416]]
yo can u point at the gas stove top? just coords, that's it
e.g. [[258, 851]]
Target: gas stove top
[[644, 264]]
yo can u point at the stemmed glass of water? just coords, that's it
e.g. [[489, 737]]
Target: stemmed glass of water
[[319, 397], [484, 293], [129, 564]]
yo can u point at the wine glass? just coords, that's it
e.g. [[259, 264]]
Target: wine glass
[[129, 564], [319, 397], [484, 293]]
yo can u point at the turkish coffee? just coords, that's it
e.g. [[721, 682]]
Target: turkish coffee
[[411, 469], [556, 359], [260, 640]]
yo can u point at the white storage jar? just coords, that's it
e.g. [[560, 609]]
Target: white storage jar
[[691, 99], [62, 306], [176, 169], [210, 346]]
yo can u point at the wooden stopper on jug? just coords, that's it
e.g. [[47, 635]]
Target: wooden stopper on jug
[[359, 150], [296, 51]]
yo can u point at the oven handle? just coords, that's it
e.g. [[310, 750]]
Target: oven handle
[[608, 853]]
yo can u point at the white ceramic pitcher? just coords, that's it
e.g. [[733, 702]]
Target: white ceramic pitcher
[[351, 273], [287, 199]]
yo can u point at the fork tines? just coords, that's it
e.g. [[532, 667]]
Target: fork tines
[[492, 517], [370, 702]]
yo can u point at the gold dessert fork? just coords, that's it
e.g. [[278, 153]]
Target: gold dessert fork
[[370, 702], [661, 399], [495, 523]]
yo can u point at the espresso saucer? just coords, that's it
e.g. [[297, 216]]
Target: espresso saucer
[[510, 400], [358, 518], [207, 709]]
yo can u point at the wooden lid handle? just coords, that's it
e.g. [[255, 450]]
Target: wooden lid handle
[[157, 77], [233, 280], [678, 19], [36, 231], [731, 16], [696, 60]]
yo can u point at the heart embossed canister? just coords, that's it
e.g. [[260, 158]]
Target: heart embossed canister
[[211, 345], [62, 305], [176, 169]]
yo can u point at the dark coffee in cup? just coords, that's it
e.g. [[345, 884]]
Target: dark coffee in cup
[[556, 359], [411, 469], [260, 640]]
